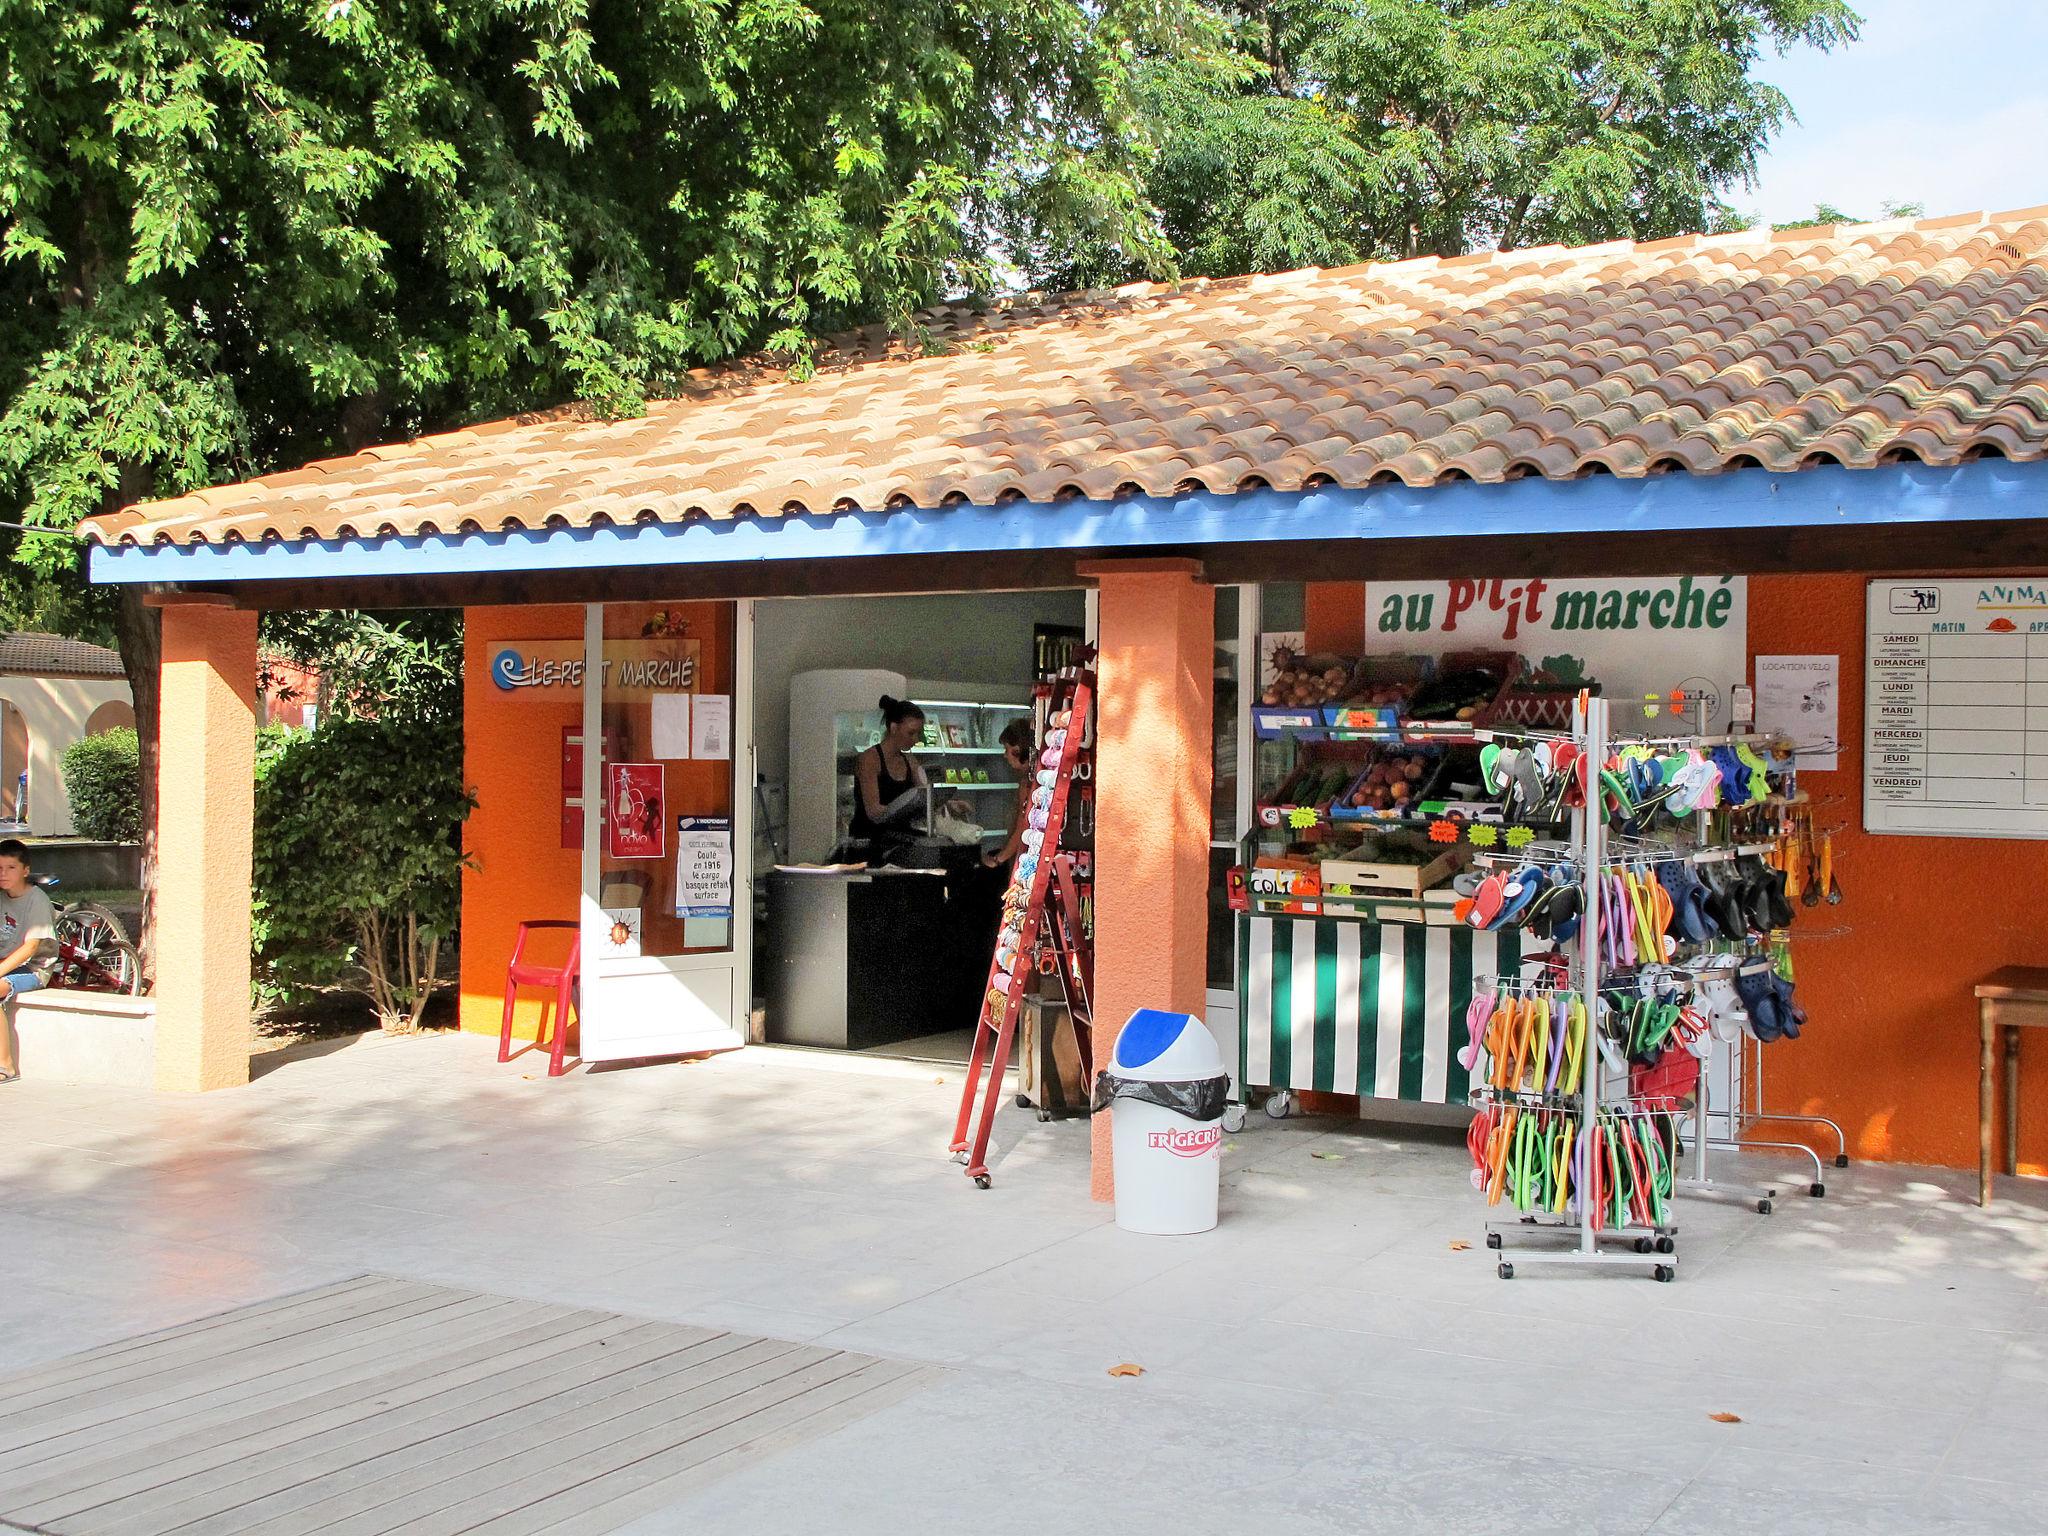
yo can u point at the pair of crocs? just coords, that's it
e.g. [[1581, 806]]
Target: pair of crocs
[[1717, 1000], [1688, 898], [1765, 900], [1767, 997], [1746, 775], [1724, 900]]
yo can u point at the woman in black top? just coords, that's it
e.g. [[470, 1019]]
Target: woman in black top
[[888, 784]]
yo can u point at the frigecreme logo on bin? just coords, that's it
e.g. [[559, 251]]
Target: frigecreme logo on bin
[[1193, 1143]]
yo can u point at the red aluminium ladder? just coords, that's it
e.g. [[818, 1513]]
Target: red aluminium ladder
[[1043, 885]]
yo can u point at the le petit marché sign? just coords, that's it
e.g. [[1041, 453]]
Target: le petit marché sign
[[548, 671]]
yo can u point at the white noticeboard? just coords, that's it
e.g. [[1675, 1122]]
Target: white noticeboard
[[1956, 707]]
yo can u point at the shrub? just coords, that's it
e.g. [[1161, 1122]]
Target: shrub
[[358, 858], [103, 777]]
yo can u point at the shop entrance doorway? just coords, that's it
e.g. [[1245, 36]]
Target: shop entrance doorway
[[667, 900], [883, 953]]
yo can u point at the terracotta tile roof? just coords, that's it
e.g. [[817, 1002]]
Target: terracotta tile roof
[[1909, 340], [29, 653]]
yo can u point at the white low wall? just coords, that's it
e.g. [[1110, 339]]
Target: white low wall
[[86, 1037]]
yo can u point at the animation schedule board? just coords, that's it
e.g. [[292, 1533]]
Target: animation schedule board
[[1955, 707]]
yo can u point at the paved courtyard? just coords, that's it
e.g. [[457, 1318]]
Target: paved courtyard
[[1326, 1361]]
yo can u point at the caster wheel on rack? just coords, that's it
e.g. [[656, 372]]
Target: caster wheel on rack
[[1507, 1270], [1642, 1245], [1841, 1159], [1667, 1245], [1763, 1207], [1817, 1190], [1023, 1101], [1280, 1105], [957, 1157], [1044, 1116], [1493, 1240], [1663, 1274], [1233, 1118], [981, 1181]]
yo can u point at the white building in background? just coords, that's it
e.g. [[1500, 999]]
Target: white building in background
[[53, 691]]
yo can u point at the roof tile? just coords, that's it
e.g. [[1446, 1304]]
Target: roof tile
[[1924, 338]]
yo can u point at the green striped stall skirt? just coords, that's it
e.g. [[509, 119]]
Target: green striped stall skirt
[[1376, 1009]]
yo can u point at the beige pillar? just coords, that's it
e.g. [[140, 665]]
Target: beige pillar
[[1156, 629], [206, 770]]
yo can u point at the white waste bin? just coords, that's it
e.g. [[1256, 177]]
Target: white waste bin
[[1165, 1086]]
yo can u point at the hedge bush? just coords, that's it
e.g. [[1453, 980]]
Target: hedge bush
[[103, 777], [359, 858]]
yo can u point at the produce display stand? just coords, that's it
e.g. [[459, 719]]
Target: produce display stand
[[1352, 977]]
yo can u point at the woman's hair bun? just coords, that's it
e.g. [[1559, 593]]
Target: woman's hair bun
[[895, 710]]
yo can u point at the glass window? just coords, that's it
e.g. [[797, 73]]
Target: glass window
[[1222, 922], [1223, 792], [668, 773], [1283, 605]]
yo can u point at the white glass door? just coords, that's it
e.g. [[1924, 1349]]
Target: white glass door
[[667, 881]]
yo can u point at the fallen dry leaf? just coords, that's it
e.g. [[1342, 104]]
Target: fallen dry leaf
[[1329, 1157], [940, 1081], [1459, 1245], [1725, 1418], [1127, 1369]]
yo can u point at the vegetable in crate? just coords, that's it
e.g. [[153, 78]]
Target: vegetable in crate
[[1457, 695], [1391, 783]]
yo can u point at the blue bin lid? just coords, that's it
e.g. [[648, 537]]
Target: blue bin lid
[[1156, 1046]]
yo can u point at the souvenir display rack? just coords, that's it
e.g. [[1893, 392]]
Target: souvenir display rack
[[1580, 1072]]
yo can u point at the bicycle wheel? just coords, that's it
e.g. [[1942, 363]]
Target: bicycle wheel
[[91, 912], [114, 965]]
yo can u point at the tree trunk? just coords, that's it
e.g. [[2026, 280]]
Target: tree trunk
[[140, 633]]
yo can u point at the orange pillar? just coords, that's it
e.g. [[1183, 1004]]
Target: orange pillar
[[1156, 627], [206, 806]]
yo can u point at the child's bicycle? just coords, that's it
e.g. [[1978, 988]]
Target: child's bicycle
[[93, 952]]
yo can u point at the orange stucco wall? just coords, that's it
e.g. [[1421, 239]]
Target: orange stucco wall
[[511, 756], [1892, 1050]]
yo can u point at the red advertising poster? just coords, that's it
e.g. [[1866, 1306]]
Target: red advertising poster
[[633, 819]]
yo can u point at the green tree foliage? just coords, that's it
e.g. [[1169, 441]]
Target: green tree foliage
[[102, 778], [1828, 213], [359, 858], [1331, 131], [395, 666], [236, 237]]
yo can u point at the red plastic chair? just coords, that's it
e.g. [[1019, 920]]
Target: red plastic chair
[[523, 973]]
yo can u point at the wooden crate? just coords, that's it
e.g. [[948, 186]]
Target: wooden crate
[[1392, 879]]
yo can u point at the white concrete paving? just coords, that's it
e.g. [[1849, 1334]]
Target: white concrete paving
[[1324, 1362]]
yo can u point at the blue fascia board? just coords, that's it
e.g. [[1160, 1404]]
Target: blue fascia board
[[1827, 496]]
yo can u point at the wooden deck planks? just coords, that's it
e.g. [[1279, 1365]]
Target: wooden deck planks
[[375, 1406]]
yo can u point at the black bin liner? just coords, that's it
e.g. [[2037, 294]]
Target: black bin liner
[[1200, 1098]]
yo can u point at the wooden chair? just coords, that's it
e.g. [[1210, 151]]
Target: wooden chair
[[562, 978]]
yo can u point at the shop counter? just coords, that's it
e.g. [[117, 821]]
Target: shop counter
[[861, 957], [1335, 1005]]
